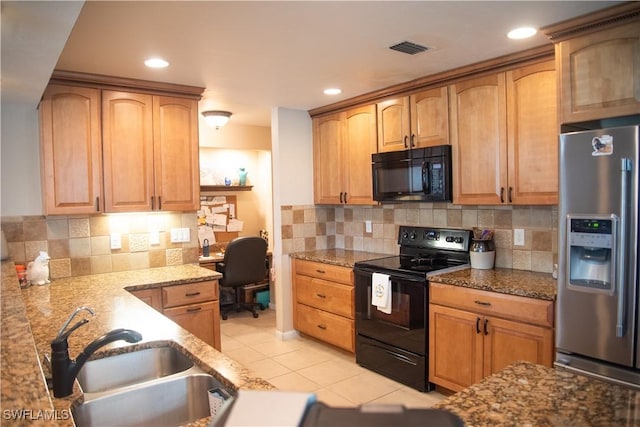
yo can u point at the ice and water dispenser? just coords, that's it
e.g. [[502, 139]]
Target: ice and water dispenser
[[591, 243]]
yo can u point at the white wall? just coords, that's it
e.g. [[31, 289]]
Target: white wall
[[21, 187], [292, 154]]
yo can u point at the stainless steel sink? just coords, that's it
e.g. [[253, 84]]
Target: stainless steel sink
[[131, 368], [165, 402]]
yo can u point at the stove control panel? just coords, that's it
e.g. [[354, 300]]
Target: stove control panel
[[434, 238]]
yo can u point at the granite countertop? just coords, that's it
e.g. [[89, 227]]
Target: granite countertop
[[526, 394], [506, 281], [31, 318], [341, 257]]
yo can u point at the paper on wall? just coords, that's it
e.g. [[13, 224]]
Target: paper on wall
[[219, 219], [206, 232], [218, 200], [235, 225]]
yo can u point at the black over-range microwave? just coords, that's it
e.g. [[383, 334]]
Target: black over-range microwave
[[416, 175]]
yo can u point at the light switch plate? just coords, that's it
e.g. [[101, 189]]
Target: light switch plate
[[518, 237]]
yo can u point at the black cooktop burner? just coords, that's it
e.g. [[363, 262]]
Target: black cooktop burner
[[423, 250]]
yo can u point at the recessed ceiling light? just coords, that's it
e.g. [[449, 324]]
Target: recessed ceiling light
[[156, 63], [332, 91], [521, 33]]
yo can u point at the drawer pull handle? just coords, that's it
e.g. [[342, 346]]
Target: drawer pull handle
[[488, 304], [320, 271], [321, 296], [477, 325], [190, 310], [486, 322], [323, 327], [192, 294]]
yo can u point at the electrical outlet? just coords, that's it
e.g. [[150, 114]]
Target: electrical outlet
[[518, 237], [154, 237], [116, 241], [367, 226]]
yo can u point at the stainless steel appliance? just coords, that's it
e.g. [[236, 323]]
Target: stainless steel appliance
[[416, 175], [597, 306], [395, 344]]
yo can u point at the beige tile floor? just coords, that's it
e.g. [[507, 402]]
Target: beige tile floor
[[303, 364]]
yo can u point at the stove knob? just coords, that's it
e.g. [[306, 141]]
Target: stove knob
[[413, 235], [459, 239], [405, 235]]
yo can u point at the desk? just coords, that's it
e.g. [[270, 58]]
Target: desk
[[249, 290]]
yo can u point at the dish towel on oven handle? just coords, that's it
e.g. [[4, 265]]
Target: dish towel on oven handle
[[381, 292]]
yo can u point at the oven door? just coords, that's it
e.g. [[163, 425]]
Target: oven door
[[406, 326]]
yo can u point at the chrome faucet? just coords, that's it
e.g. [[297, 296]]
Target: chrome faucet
[[63, 369]]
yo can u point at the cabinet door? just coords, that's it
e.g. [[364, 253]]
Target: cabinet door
[[127, 135], [175, 141], [393, 124], [479, 140], [328, 159], [507, 342], [152, 297], [455, 347], [600, 74], [359, 143], [202, 320], [430, 118], [71, 151], [533, 135]]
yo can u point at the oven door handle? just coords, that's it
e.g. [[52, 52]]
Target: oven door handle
[[400, 357]]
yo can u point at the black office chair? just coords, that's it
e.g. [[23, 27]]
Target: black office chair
[[243, 264]]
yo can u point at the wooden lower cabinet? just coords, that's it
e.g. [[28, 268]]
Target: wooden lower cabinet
[[199, 319], [193, 306], [466, 346], [323, 302]]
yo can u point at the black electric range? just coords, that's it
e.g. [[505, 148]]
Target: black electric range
[[393, 341]]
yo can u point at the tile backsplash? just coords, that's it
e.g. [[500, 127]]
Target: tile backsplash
[[81, 245], [310, 227]]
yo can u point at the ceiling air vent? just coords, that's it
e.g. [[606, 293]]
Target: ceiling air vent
[[408, 48]]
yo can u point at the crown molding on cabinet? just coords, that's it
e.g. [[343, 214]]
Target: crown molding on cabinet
[[593, 22], [123, 83], [537, 54]]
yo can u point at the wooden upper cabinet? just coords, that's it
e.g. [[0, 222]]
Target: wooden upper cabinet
[[328, 161], [394, 124], [71, 152], [479, 140], [532, 135], [359, 144], [343, 143], [150, 152], [176, 153], [430, 118], [504, 134], [127, 132], [418, 120], [600, 74]]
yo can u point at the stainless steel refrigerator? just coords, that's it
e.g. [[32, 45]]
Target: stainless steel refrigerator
[[597, 305]]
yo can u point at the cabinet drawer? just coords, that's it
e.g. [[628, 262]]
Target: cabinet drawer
[[513, 307], [328, 296], [327, 327], [333, 273], [189, 293]]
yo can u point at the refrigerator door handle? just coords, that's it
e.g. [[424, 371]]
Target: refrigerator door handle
[[625, 170]]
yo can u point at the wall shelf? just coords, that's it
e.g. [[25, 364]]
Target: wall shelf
[[226, 187]]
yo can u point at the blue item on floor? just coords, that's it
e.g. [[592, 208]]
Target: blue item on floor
[[262, 298]]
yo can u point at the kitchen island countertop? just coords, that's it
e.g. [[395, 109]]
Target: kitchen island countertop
[[526, 394], [31, 318]]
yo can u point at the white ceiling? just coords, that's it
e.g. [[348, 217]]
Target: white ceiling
[[253, 56]]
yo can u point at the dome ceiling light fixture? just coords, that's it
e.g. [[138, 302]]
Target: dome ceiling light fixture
[[216, 118]]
